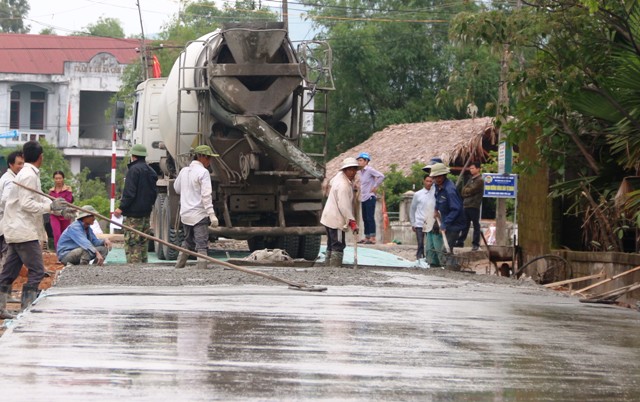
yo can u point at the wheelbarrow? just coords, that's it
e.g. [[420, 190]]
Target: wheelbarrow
[[451, 261], [502, 254]]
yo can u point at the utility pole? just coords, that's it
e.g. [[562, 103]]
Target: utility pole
[[143, 50], [503, 113], [285, 15]]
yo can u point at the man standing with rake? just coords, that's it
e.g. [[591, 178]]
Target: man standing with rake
[[24, 228]]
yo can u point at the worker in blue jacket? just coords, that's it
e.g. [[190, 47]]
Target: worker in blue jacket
[[448, 205], [78, 245]]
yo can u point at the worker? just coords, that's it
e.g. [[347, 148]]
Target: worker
[[448, 205], [338, 214], [196, 205], [472, 194], [137, 200], [15, 162], [421, 213], [370, 180], [433, 161], [23, 228], [78, 244]]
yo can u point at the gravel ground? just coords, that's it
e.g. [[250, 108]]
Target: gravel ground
[[166, 275]]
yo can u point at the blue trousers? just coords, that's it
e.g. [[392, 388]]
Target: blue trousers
[[368, 216]]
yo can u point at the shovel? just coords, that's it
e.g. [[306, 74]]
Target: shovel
[[450, 259]]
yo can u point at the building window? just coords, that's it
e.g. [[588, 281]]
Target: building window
[[14, 119], [36, 121]]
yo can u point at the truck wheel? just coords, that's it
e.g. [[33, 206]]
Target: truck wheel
[[169, 234], [157, 227], [309, 247], [290, 244], [175, 237], [256, 243]]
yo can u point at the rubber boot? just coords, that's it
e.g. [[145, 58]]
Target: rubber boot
[[201, 263], [336, 259], [29, 295], [182, 260], [5, 291]]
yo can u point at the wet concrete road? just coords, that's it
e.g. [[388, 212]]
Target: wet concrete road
[[446, 340]]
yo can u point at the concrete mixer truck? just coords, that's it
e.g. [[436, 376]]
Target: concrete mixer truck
[[243, 90]]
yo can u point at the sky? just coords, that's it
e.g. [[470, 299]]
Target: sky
[[67, 16]]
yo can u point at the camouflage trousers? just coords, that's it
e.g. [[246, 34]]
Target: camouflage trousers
[[136, 247]]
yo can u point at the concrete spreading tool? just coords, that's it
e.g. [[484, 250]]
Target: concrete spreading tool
[[292, 284]]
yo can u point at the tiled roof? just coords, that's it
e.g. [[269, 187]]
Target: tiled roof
[[46, 54]]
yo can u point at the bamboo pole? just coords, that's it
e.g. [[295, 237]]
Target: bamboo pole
[[580, 291], [296, 285], [574, 280], [612, 295]]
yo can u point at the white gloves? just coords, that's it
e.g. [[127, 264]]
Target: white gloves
[[214, 221]]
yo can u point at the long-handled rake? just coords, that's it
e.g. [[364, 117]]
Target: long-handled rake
[[292, 285]]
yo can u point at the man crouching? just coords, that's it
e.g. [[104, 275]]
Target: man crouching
[[78, 244]]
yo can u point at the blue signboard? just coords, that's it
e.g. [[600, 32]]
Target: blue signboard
[[498, 185]]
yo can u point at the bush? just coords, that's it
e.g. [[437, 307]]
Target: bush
[[396, 183], [100, 203]]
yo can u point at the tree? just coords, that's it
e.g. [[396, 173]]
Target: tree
[[391, 61], [85, 190], [195, 20], [104, 27], [47, 31], [578, 90], [12, 14]]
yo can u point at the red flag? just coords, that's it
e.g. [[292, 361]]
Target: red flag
[[157, 72], [69, 119]]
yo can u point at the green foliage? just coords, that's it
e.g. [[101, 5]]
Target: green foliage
[[47, 31], [574, 80], [105, 27], [85, 188], [100, 203], [53, 160], [394, 185], [12, 15], [195, 20], [391, 60]]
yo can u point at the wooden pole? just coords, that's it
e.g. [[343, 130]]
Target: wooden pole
[[574, 280], [580, 291], [299, 286]]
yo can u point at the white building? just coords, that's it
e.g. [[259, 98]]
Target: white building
[[59, 88]]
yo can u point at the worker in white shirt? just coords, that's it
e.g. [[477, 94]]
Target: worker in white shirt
[[15, 162], [24, 229], [196, 205]]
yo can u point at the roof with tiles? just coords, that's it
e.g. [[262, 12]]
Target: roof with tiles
[[46, 54]]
